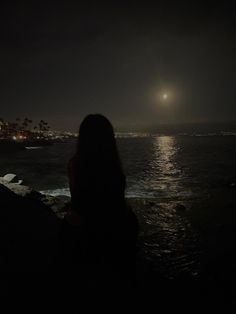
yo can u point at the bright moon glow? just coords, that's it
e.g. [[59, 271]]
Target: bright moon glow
[[164, 96]]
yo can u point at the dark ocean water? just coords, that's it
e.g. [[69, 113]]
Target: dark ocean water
[[163, 167], [197, 171]]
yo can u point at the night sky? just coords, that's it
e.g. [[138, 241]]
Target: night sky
[[60, 62]]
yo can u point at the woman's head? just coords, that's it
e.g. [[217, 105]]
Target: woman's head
[[97, 168], [97, 155], [96, 136]]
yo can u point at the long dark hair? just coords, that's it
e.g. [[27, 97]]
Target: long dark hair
[[99, 180]]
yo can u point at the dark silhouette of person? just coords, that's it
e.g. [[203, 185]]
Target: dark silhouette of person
[[99, 232]]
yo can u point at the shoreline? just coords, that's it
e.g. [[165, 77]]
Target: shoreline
[[173, 261], [163, 227], [174, 241]]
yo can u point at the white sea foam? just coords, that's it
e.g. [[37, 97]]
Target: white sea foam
[[66, 192], [131, 135], [222, 133], [57, 192], [228, 133]]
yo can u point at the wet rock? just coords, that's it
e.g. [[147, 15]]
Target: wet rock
[[21, 190], [58, 204], [12, 178]]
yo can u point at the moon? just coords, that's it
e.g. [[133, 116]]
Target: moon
[[165, 96]]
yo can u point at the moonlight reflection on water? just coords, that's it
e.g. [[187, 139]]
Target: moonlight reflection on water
[[165, 176]]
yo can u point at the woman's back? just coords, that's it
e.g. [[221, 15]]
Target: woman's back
[[99, 233]]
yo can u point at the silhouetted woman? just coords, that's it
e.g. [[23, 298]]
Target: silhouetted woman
[[100, 230]]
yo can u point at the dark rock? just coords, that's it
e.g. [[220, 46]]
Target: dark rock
[[28, 233], [58, 204]]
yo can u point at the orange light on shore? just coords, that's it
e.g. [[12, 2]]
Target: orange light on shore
[[19, 137]]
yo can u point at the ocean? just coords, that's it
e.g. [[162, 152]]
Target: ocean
[[162, 167], [198, 172]]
